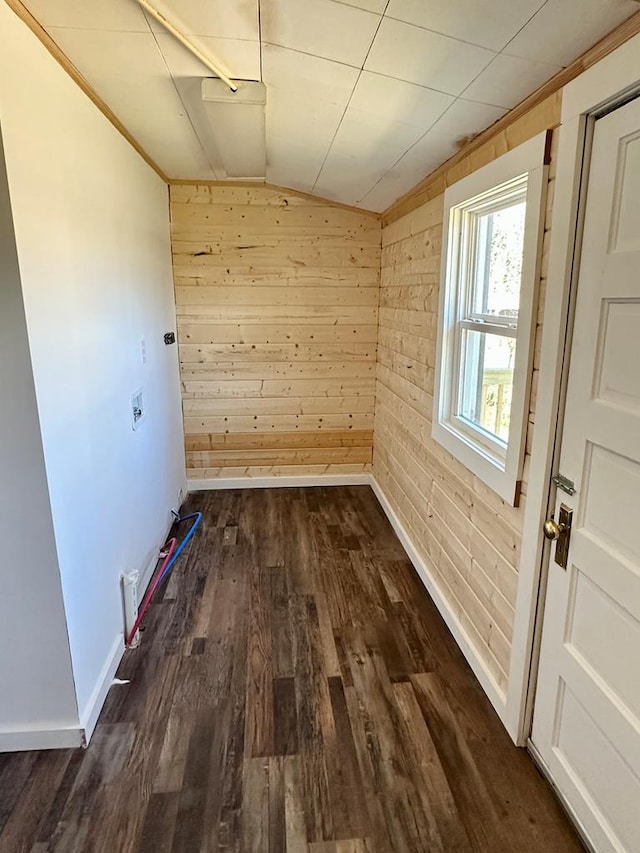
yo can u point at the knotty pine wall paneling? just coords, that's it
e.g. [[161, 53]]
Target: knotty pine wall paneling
[[277, 304], [468, 536]]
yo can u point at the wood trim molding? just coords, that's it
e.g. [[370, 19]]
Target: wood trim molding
[[62, 59], [552, 366], [528, 160], [278, 188], [603, 85], [436, 182], [275, 482]]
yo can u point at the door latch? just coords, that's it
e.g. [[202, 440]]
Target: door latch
[[560, 533], [564, 483]]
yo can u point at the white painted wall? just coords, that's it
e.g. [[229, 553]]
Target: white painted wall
[[36, 683], [92, 233]]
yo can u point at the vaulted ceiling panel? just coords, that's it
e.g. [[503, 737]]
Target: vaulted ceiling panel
[[317, 78], [307, 98], [372, 144], [121, 15], [354, 183], [384, 119], [307, 95], [563, 29], [128, 72], [392, 100], [320, 27], [295, 164], [427, 153], [369, 5], [488, 24], [509, 79], [426, 58], [463, 117], [364, 97]]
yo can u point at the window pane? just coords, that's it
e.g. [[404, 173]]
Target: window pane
[[498, 267], [487, 381]]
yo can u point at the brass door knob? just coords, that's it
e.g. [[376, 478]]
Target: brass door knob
[[560, 533], [553, 530]]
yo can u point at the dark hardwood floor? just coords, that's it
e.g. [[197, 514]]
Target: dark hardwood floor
[[295, 690]]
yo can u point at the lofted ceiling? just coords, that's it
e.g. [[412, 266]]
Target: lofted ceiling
[[364, 97]]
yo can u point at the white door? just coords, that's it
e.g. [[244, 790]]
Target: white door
[[586, 723]]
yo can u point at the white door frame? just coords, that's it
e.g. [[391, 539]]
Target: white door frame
[[599, 89]]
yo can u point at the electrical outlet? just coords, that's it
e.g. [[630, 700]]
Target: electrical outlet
[[143, 350]]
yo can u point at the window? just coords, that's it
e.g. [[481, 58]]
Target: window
[[489, 275]]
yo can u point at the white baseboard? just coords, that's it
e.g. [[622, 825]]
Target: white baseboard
[[91, 712], [275, 482], [487, 682], [25, 741]]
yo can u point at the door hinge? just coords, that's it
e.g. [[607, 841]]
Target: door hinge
[[564, 484]]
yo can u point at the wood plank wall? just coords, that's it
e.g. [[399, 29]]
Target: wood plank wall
[[277, 304], [468, 536]]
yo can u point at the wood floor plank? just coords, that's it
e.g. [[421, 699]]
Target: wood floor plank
[[295, 691], [281, 634], [277, 815], [53, 814], [259, 707], [477, 811], [255, 806], [314, 718], [538, 818], [15, 770], [427, 772], [294, 806], [189, 824], [285, 715], [371, 789], [329, 651], [37, 796], [346, 780], [119, 807], [159, 824], [173, 756], [411, 825], [224, 807], [102, 765]]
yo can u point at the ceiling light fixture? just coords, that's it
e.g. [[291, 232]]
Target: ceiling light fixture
[[229, 116], [236, 124]]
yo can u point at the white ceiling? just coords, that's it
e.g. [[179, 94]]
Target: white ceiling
[[364, 97]]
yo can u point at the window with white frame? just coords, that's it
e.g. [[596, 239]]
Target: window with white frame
[[493, 229]]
